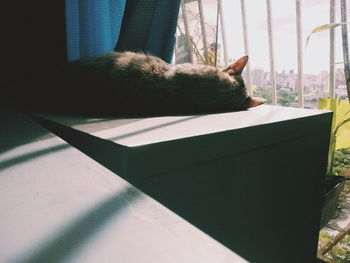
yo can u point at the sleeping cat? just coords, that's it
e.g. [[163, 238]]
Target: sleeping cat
[[135, 84]]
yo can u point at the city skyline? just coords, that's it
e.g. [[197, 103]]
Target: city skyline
[[316, 86], [339, 75]]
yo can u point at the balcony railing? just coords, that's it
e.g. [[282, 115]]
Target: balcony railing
[[198, 41], [199, 50]]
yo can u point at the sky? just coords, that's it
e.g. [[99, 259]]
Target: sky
[[314, 13]]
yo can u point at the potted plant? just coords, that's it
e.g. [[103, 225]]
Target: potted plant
[[334, 183], [340, 137]]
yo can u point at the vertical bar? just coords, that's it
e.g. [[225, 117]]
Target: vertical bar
[[345, 45], [224, 41], [246, 45], [204, 33], [216, 36], [330, 166], [188, 37], [332, 51], [272, 55], [300, 82]]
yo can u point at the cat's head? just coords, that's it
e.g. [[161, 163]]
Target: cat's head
[[235, 70]]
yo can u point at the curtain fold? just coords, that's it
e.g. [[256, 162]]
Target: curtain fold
[[92, 26], [95, 27], [149, 26], [161, 37]]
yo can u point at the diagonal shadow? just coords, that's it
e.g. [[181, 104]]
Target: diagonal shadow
[[21, 129], [105, 152], [29, 156], [103, 148], [81, 230], [153, 128], [17, 122]]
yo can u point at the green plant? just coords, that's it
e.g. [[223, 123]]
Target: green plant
[[322, 28], [340, 251], [346, 63], [340, 133], [340, 138]]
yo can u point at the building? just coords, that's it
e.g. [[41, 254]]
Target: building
[[258, 77]]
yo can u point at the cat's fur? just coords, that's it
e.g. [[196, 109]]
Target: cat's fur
[[131, 84]]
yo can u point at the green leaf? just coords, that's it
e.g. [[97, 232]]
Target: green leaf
[[341, 120], [323, 28]]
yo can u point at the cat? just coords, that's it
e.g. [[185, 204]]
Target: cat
[[135, 84]]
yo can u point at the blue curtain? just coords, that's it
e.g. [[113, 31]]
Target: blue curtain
[[149, 26], [161, 37], [92, 26]]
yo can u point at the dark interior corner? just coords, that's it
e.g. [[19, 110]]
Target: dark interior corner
[[33, 39]]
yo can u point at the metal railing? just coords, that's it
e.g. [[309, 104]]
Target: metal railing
[[300, 53], [271, 51], [269, 18]]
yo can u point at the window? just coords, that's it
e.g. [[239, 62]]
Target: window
[[241, 27]]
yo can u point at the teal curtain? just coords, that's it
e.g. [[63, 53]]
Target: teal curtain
[[161, 38], [95, 27], [149, 26], [92, 26]]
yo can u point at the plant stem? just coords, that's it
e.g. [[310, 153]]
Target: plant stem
[[333, 141]]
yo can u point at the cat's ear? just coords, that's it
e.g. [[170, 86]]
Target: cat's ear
[[237, 67], [256, 101]]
